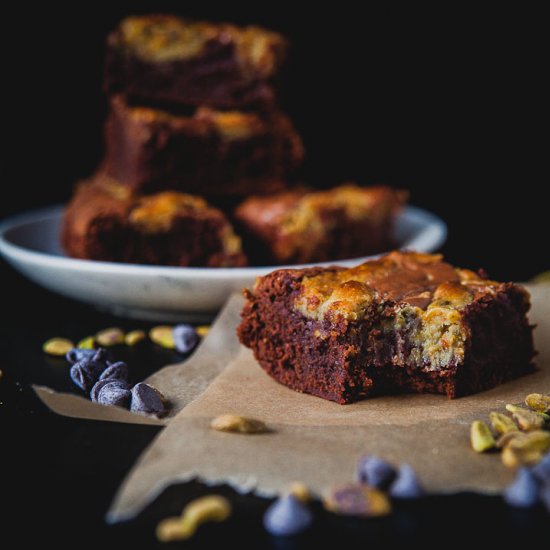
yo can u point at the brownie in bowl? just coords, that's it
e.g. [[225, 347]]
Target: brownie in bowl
[[406, 322], [303, 226], [106, 221]]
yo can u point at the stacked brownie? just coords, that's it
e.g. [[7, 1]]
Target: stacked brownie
[[195, 132]]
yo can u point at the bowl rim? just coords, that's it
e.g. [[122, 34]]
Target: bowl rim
[[436, 226]]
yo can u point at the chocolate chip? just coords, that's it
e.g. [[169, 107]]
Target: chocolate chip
[[406, 485], [523, 492], [542, 470], [94, 393], [147, 400], [115, 371], [86, 372], [96, 387], [102, 356], [77, 354], [375, 472], [185, 338], [114, 393], [81, 376], [287, 516]]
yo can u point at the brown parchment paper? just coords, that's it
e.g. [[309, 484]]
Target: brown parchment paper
[[318, 442], [180, 383]]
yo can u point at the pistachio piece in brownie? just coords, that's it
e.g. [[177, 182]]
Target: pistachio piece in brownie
[[105, 221], [405, 322], [302, 226], [172, 59]]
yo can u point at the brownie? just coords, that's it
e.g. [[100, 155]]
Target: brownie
[[406, 322], [302, 226], [207, 152], [105, 221], [172, 59]]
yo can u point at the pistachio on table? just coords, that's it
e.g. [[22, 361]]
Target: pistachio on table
[[57, 346], [527, 419], [524, 439], [538, 402], [238, 424], [163, 336], [197, 512], [481, 437], [357, 500], [86, 343], [202, 330], [109, 337], [501, 423], [504, 439], [134, 337], [171, 529], [526, 449], [299, 490]]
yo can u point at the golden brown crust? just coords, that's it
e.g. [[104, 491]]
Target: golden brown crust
[[422, 281], [407, 321], [298, 224], [167, 38], [155, 213], [139, 226]]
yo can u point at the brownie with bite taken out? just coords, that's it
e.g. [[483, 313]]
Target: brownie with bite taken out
[[407, 322]]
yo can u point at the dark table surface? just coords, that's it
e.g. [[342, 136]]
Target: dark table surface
[[60, 474]]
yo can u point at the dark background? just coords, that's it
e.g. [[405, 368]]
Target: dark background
[[449, 104]]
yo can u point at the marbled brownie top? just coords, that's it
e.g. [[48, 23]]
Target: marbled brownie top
[[102, 196], [167, 38], [411, 279], [302, 218]]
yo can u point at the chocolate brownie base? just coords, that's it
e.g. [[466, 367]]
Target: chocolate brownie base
[[171, 59], [302, 226], [104, 221], [406, 323], [207, 152]]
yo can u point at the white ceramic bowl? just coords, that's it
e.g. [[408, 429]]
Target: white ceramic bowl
[[30, 243]]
